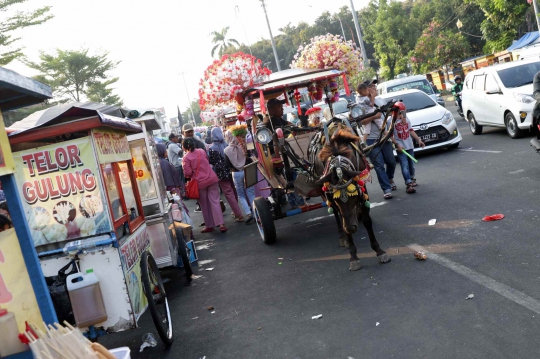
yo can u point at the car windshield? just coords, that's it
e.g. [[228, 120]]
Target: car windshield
[[421, 85], [414, 101], [520, 75]]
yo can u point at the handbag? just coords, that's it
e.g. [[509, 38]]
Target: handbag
[[192, 188]]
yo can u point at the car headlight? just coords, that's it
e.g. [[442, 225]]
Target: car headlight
[[520, 97], [447, 118]]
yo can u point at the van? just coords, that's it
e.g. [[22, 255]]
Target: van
[[417, 82], [500, 96]]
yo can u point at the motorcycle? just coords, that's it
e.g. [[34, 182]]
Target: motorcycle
[[460, 109]]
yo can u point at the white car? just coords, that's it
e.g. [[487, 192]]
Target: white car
[[500, 96], [416, 82], [339, 107], [433, 123]]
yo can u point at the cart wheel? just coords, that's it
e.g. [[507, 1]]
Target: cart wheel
[[183, 252], [265, 220], [157, 298]]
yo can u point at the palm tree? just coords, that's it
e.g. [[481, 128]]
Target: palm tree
[[221, 41]]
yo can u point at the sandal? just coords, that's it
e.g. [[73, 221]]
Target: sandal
[[413, 181], [208, 230], [393, 186], [239, 219], [410, 189], [223, 229], [249, 219], [387, 195]]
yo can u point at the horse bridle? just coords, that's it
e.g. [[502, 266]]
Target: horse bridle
[[339, 163]]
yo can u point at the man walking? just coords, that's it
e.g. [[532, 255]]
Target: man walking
[[175, 153], [189, 132]]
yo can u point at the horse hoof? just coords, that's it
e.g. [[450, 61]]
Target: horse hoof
[[355, 265], [342, 242], [384, 258]]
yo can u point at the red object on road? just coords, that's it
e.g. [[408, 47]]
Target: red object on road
[[493, 217]]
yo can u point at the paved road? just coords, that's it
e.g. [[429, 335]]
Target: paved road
[[265, 296]]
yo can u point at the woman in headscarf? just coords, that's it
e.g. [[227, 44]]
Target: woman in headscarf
[[197, 167], [171, 177], [216, 156], [235, 156]]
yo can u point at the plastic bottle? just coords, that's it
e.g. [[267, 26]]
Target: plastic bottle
[[86, 298], [9, 339]]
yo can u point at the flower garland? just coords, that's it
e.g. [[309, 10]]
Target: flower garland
[[226, 79], [313, 110], [329, 52]]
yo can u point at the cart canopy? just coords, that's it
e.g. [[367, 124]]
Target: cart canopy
[[109, 116]]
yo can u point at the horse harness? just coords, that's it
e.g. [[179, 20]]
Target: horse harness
[[346, 188]]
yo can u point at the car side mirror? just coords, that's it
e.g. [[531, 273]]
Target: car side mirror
[[494, 91]]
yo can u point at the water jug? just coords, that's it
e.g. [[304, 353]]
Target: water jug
[[86, 298]]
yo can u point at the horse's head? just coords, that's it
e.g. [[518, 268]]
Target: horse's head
[[340, 178]]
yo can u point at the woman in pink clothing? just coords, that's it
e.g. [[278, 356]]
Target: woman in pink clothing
[[197, 167], [216, 157]]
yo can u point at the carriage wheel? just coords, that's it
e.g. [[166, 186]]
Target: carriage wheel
[[157, 298], [265, 220]]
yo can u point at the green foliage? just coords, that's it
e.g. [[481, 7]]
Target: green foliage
[[186, 114], [221, 42], [504, 21], [436, 48], [366, 74], [76, 76], [387, 24], [9, 24]]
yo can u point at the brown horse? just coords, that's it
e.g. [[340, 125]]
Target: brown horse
[[345, 168]]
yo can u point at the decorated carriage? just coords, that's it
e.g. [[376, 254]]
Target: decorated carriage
[[287, 156]]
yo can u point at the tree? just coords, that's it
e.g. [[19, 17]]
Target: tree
[[76, 75], [388, 26], [186, 115], [437, 48], [221, 42], [10, 24], [504, 21], [100, 92]]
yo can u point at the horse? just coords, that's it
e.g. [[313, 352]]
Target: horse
[[343, 170]]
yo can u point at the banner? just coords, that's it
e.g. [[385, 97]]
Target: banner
[[6, 160], [59, 188], [16, 291], [130, 254], [111, 145]]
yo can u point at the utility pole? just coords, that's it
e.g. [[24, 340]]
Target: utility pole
[[189, 100], [359, 34], [271, 37]]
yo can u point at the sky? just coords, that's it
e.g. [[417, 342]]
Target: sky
[[156, 41]]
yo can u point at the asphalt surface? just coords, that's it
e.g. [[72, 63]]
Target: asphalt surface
[[265, 296]]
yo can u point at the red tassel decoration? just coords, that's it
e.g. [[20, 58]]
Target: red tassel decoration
[[346, 84], [297, 97]]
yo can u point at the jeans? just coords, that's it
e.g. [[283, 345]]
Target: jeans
[[407, 165], [245, 195], [458, 99], [380, 156], [295, 200]]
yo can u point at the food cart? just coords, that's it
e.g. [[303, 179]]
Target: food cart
[[157, 207], [76, 178]]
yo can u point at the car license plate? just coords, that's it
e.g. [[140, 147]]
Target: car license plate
[[430, 137]]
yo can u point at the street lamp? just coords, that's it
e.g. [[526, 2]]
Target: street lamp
[[245, 34], [342, 31], [271, 37], [359, 34], [189, 100]]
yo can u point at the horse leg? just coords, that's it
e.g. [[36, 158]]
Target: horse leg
[[354, 263], [368, 224], [342, 235]]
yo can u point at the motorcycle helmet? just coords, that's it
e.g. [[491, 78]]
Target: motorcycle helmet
[[457, 77], [401, 106]]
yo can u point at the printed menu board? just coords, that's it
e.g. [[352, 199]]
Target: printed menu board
[[59, 188], [111, 145]]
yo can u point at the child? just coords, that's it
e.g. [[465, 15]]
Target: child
[[402, 141]]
